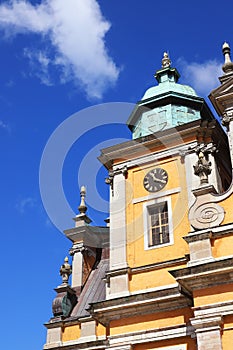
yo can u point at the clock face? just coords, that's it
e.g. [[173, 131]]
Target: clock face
[[155, 180]]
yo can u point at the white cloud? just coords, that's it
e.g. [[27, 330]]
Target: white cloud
[[25, 203], [4, 126], [76, 30], [39, 58], [203, 77]]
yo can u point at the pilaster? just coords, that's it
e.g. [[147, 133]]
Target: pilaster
[[199, 247], [118, 222], [208, 332], [118, 284], [77, 265], [54, 337], [88, 329]]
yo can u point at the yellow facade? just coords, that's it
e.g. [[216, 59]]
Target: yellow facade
[[161, 275]]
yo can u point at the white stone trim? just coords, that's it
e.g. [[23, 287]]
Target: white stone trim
[[146, 222], [192, 180], [156, 195], [121, 347], [230, 139], [154, 335], [81, 341], [77, 269], [222, 308], [53, 338], [118, 257], [156, 156], [142, 291], [215, 229]]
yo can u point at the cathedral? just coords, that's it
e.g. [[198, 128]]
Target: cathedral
[[159, 274]]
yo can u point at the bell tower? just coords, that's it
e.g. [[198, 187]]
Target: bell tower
[[159, 275]]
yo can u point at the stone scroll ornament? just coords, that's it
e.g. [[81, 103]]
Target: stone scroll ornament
[[205, 215]]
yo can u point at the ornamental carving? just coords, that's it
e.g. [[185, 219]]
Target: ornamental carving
[[202, 168], [206, 215], [227, 118]]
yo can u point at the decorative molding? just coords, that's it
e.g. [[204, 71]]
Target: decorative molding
[[172, 152], [88, 236], [207, 275], [221, 308], [116, 171], [138, 304], [227, 118], [198, 236], [207, 323], [154, 335], [77, 248], [156, 195], [159, 265], [78, 345], [216, 232], [117, 272], [132, 150]]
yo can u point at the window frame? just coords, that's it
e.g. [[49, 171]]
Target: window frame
[[147, 222]]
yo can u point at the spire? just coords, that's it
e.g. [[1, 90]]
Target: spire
[[228, 65], [166, 62], [82, 207]]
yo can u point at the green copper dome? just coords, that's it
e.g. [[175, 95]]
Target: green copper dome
[[166, 86], [166, 105]]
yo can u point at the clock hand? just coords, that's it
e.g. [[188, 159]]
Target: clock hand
[[159, 180]]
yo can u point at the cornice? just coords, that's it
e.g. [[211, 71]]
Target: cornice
[[160, 265], [78, 345], [138, 305], [161, 140], [151, 335], [217, 272], [93, 236]]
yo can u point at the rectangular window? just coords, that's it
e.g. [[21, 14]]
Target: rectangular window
[[158, 230], [158, 224]]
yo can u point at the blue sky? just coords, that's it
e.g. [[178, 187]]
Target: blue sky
[[57, 58]]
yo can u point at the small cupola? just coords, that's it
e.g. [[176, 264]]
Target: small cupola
[[167, 104]]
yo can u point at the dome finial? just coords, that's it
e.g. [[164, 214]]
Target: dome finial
[[228, 65], [166, 62], [82, 207]]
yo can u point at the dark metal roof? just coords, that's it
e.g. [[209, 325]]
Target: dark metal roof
[[93, 291]]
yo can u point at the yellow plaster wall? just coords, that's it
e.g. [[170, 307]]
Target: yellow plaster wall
[[167, 344], [227, 335], [100, 330], [222, 246], [213, 295], [148, 279], [227, 205], [71, 332], [152, 321], [135, 218], [228, 322]]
